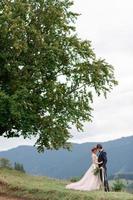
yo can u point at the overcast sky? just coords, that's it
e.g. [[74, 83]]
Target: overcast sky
[[109, 25]]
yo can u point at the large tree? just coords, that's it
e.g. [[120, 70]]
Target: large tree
[[48, 75]]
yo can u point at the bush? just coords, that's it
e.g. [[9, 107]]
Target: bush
[[118, 185], [5, 163]]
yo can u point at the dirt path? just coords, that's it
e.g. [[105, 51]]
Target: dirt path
[[4, 195], [8, 198]]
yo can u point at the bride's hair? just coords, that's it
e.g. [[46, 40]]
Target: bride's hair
[[94, 149]]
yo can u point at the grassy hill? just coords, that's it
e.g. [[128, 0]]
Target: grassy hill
[[16, 184]]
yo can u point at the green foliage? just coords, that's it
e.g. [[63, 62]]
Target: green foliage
[[19, 167], [48, 75], [96, 171], [118, 185], [5, 163]]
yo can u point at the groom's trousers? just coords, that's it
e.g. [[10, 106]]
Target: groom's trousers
[[103, 177]]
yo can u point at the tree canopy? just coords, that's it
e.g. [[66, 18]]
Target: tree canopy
[[48, 75], [5, 163]]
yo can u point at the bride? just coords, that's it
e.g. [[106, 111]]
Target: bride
[[89, 181]]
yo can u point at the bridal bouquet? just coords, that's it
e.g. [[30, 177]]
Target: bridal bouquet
[[96, 171]]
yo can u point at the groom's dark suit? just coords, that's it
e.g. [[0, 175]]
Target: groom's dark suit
[[102, 157]]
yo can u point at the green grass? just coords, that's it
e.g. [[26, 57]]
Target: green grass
[[13, 183]]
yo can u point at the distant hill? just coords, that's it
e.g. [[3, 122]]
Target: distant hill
[[63, 164]]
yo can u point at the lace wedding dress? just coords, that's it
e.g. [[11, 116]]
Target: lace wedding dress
[[89, 181]]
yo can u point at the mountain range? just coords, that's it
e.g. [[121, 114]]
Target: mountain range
[[64, 164]]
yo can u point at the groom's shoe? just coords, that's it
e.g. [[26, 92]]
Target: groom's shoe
[[106, 189]]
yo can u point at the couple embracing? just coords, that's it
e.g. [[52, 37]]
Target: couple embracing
[[96, 176]]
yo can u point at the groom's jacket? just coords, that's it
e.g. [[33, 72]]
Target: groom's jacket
[[102, 157]]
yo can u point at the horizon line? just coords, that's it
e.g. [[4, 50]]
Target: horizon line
[[71, 142]]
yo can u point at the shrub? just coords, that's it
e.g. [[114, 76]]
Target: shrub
[[118, 185], [5, 163]]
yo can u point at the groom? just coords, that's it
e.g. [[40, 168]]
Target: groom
[[102, 158]]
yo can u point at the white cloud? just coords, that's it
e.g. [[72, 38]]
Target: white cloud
[[14, 142], [108, 24]]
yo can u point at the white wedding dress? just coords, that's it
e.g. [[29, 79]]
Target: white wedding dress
[[89, 181]]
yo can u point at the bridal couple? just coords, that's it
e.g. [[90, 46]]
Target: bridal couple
[[96, 176]]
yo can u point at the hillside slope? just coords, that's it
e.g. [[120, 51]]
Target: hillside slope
[[23, 186], [64, 164]]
